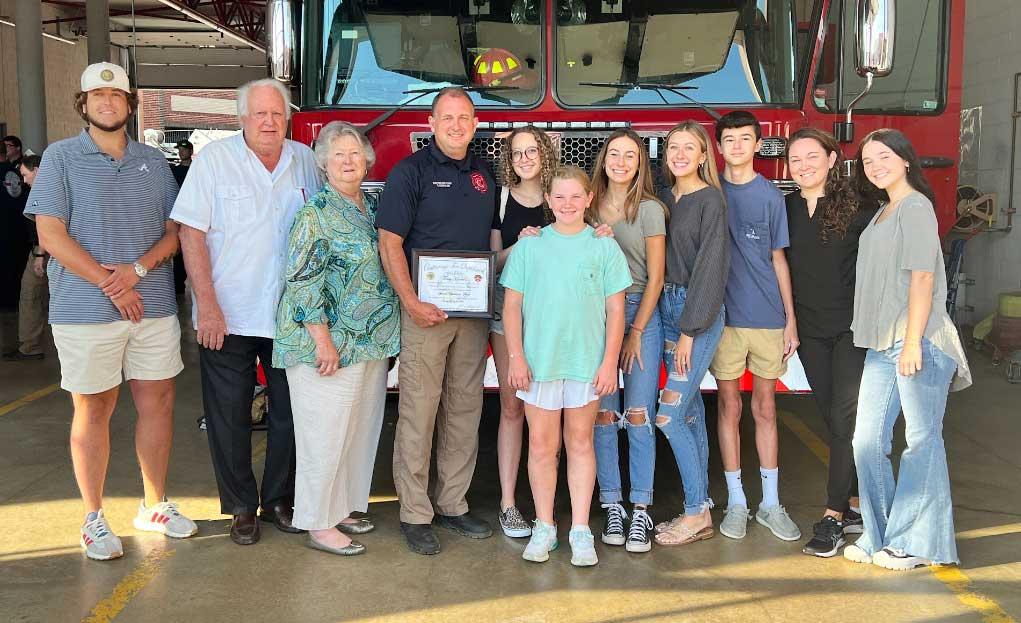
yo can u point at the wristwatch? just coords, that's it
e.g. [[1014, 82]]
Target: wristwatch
[[140, 270]]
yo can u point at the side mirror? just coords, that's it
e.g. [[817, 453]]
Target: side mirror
[[280, 36], [874, 28], [874, 32]]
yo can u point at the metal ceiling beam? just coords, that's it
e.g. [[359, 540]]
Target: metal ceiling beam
[[227, 30]]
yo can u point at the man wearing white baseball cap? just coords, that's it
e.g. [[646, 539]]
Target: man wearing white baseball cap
[[102, 207]]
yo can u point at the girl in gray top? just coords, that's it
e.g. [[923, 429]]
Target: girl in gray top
[[691, 310], [914, 358], [623, 199]]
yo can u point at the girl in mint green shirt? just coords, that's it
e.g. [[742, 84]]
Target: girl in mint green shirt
[[565, 287]]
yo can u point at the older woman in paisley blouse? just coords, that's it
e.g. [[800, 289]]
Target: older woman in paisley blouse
[[337, 325]]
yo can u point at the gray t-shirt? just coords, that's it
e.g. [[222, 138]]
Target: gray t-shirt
[[907, 240], [650, 221], [116, 210]]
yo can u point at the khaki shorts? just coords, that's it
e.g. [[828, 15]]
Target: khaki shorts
[[760, 351], [96, 357]]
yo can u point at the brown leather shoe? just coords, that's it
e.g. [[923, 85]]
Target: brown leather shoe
[[244, 529], [281, 515]]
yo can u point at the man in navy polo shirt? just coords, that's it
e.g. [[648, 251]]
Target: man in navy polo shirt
[[440, 197]]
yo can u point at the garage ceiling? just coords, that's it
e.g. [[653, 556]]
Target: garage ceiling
[[175, 43]]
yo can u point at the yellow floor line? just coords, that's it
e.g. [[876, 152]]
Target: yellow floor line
[[108, 609], [951, 576], [24, 400]]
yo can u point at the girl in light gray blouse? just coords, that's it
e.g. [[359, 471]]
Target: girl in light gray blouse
[[914, 358]]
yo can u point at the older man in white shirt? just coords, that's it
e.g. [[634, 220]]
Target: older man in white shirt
[[235, 210]]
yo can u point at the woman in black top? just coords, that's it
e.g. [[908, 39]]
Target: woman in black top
[[527, 162], [824, 220]]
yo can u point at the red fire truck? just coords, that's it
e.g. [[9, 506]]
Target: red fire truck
[[580, 68]]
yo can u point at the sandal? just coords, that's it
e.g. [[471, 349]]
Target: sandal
[[679, 534], [665, 526]]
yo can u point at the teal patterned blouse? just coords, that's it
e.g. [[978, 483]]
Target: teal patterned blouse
[[334, 276]]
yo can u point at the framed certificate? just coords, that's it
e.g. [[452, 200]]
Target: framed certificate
[[460, 283]]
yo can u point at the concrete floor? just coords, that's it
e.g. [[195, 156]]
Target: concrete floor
[[45, 577]]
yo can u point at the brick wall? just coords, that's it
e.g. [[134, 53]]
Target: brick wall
[[187, 108]]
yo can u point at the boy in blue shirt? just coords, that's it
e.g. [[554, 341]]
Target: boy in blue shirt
[[760, 333]]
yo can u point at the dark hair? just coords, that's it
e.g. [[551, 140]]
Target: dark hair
[[641, 188], [839, 203], [31, 162], [81, 97], [451, 92], [10, 138], [896, 141], [737, 119]]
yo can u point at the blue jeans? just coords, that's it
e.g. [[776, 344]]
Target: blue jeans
[[640, 388], [683, 420], [914, 512]]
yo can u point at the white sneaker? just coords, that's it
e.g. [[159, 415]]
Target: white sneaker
[[898, 560], [856, 554], [163, 517], [543, 541], [99, 542], [583, 547]]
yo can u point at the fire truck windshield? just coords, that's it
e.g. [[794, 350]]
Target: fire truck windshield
[[731, 51], [374, 52]]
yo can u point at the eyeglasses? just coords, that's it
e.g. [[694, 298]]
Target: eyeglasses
[[531, 153]]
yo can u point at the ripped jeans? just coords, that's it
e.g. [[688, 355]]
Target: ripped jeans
[[640, 389], [681, 415]]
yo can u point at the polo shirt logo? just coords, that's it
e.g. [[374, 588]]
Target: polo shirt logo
[[144, 167], [479, 182]]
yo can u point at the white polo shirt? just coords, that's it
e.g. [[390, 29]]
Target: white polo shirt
[[246, 212]]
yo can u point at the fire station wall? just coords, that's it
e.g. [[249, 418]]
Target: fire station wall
[[63, 67], [992, 44]]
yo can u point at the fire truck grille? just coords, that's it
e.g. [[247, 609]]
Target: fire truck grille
[[574, 148]]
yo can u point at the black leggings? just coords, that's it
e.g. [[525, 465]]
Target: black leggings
[[834, 366]]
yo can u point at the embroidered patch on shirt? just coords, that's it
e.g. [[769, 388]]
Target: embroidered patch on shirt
[[479, 182], [443, 184]]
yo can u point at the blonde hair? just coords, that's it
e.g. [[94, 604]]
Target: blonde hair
[[641, 188], [707, 170], [571, 172]]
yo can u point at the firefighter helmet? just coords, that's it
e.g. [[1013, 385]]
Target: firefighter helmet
[[500, 67]]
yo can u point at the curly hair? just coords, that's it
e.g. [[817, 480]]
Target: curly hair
[[839, 203], [641, 188], [548, 159]]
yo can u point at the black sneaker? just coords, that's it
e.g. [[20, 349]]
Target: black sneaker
[[853, 523], [827, 540], [465, 525], [639, 537], [420, 538], [613, 529]]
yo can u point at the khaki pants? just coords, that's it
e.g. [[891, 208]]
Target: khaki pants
[[32, 310], [441, 374]]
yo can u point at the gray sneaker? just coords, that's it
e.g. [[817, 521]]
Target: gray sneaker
[[735, 522], [779, 523], [513, 524], [98, 541]]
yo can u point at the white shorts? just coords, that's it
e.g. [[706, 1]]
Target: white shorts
[[96, 357], [555, 395]]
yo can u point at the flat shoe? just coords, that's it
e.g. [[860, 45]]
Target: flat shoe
[[681, 535], [354, 549], [361, 526], [664, 526]]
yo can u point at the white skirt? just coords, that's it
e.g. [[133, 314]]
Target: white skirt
[[555, 395]]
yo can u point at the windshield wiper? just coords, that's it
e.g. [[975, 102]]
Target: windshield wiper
[[419, 93], [676, 89]]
